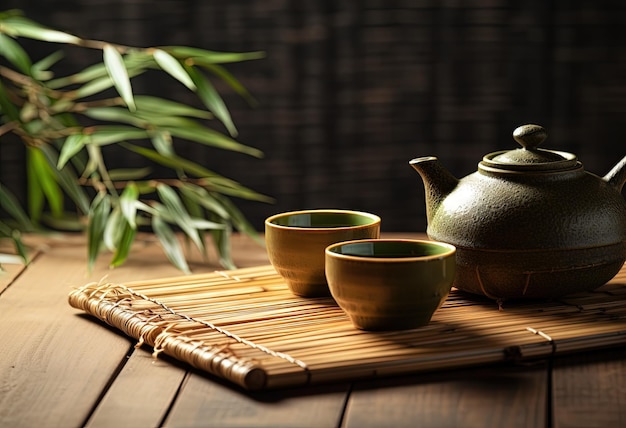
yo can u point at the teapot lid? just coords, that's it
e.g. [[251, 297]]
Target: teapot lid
[[530, 157]]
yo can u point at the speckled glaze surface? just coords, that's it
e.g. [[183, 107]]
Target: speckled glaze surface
[[296, 241], [388, 284], [529, 223]]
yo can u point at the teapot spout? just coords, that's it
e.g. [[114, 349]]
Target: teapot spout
[[438, 182], [617, 176]]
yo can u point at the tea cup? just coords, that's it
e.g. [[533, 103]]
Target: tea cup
[[296, 241], [390, 284]]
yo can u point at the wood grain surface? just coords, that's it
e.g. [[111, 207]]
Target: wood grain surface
[[60, 368]]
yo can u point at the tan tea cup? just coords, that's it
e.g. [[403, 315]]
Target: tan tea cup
[[390, 284], [296, 242]]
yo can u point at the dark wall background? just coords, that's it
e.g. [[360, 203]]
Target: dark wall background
[[350, 91]]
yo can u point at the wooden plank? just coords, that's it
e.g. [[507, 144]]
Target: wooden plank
[[10, 271], [8, 274], [59, 361], [590, 390], [53, 360], [208, 402], [141, 392], [483, 397]]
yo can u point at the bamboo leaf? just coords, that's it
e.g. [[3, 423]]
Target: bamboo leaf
[[212, 57], [10, 259], [142, 206], [93, 87], [162, 142], [69, 183], [98, 217], [91, 73], [215, 182], [47, 181], [170, 244], [62, 106], [227, 77], [67, 221], [238, 220], [162, 106], [113, 229], [34, 127], [232, 188], [171, 66], [5, 230], [102, 135], [170, 161], [203, 224], [67, 180], [138, 60], [95, 160], [14, 53], [125, 174], [28, 112], [11, 205], [114, 114], [212, 138], [155, 120], [175, 206], [221, 241], [19, 246], [200, 196], [197, 213], [40, 68], [211, 99], [135, 65], [162, 211], [35, 195], [194, 209], [124, 244], [116, 68], [21, 26], [128, 200], [72, 145], [143, 119]]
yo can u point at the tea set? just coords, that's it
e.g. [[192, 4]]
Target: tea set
[[530, 223]]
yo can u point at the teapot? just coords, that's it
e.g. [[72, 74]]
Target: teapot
[[530, 222]]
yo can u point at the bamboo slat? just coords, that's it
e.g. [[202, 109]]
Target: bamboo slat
[[246, 327]]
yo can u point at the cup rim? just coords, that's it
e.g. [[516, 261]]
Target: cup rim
[[375, 219], [450, 250]]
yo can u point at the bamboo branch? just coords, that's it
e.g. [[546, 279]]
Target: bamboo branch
[[8, 127]]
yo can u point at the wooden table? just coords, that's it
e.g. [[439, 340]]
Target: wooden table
[[62, 368]]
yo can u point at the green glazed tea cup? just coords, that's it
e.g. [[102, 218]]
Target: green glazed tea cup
[[296, 242], [390, 284]]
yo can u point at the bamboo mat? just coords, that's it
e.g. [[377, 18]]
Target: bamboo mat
[[246, 327]]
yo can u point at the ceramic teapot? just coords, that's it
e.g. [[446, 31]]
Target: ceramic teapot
[[530, 222]]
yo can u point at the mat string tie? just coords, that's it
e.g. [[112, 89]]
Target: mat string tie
[[227, 276], [545, 336], [233, 336]]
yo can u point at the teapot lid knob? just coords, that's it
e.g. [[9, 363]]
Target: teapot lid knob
[[530, 157], [530, 136]]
